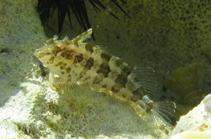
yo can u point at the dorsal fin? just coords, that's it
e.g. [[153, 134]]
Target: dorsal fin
[[80, 38]]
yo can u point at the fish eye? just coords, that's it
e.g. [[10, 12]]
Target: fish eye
[[56, 50]]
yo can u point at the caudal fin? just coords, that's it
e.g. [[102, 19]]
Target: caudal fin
[[163, 110]]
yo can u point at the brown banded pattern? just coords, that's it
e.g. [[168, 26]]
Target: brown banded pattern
[[81, 60]]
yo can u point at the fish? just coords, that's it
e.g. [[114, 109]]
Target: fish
[[82, 61]]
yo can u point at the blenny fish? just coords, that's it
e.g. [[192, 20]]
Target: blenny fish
[[81, 60]]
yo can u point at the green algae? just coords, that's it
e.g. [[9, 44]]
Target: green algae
[[185, 81]]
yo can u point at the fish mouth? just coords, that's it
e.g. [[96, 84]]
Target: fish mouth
[[37, 51]]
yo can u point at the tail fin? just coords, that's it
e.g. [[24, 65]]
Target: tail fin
[[163, 110], [160, 115], [145, 95]]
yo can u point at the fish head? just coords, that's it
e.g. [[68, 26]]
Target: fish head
[[58, 56]]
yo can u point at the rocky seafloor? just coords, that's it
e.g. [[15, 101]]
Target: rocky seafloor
[[30, 109]]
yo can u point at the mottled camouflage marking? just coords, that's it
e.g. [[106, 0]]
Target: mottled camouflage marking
[[59, 64], [51, 60], [119, 62], [104, 69], [63, 66], [80, 60], [97, 80], [67, 54], [68, 70], [89, 64], [89, 46], [106, 56]]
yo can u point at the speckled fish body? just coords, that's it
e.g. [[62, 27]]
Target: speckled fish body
[[79, 60]]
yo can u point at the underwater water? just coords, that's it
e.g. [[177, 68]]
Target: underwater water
[[170, 37]]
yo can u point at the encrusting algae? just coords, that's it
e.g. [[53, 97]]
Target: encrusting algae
[[80, 62]]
